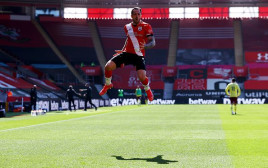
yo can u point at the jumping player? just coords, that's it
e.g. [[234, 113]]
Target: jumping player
[[233, 90], [139, 37]]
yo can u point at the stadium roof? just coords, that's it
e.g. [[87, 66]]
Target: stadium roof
[[141, 3]]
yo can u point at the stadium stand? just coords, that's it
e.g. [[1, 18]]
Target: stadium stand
[[112, 35], [57, 72], [207, 33], [74, 40], [29, 70], [256, 84], [255, 36], [21, 85], [14, 82], [22, 39], [205, 42], [5, 59], [258, 77], [255, 41], [6, 69], [158, 54]]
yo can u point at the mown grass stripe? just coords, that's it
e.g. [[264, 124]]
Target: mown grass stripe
[[72, 119]]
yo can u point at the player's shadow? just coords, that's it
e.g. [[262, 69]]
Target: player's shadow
[[158, 159]]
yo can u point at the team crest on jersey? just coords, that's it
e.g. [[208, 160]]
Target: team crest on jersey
[[139, 28]]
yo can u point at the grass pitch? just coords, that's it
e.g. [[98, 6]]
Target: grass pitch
[[138, 136]]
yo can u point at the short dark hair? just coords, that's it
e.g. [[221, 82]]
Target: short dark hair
[[233, 79], [135, 8]]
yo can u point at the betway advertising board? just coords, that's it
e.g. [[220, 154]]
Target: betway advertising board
[[227, 101], [198, 96], [116, 102]]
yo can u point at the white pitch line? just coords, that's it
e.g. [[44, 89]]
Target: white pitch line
[[11, 129]]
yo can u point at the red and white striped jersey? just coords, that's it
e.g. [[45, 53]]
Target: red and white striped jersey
[[137, 35]]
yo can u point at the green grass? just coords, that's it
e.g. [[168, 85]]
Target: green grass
[[138, 136], [247, 135]]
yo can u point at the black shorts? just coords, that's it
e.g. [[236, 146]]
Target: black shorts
[[129, 59], [233, 100]]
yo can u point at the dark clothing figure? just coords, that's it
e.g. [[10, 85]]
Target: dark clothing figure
[[88, 96], [70, 96], [33, 94]]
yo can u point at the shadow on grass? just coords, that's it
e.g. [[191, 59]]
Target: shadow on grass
[[158, 159]]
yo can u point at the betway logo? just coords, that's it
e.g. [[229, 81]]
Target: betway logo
[[160, 101], [202, 101], [116, 102], [245, 101]]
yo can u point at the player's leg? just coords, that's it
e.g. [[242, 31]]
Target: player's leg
[[119, 101], [234, 108], [137, 99], [85, 106], [73, 105], [232, 102], [31, 104], [145, 82], [235, 103], [34, 104], [90, 101], [70, 108], [111, 65], [141, 72], [122, 100]]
